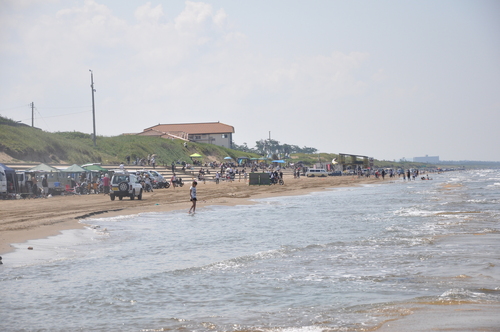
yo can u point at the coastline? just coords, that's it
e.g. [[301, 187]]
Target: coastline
[[29, 219]]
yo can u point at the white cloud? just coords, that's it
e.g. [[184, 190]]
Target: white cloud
[[193, 17], [148, 14], [157, 62], [192, 67], [220, 18]]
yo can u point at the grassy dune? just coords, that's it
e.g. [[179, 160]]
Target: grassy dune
[[26, 144]]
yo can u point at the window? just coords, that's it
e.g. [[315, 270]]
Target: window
[[197, 137], [225, 135]]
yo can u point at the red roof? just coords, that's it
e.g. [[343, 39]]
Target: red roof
[[195, 128]]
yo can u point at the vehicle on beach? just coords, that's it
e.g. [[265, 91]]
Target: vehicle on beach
[[125, 184], [178, 182], [316, 172], [157, 180], [56, 181], [3, 183], [277, 180]]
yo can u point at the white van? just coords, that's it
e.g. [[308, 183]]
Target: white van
[[3, 183], [312, 172]]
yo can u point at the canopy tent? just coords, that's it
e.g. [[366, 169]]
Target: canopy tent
[[196, 155], [279, 161], [74, 169], [241, 160], [94, 168], [44, 168]]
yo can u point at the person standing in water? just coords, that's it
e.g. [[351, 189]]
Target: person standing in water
[[192, 194]]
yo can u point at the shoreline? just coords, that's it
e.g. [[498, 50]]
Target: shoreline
[[29, 219]]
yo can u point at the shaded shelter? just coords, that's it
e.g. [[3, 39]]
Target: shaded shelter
[[74, 169], [242, 160], [95, 168], [44, 168]]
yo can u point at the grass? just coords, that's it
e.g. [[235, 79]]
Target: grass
[[29, 144]]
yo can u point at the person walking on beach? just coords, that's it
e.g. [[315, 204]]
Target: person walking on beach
[[45, 186], [173, 180], [105, 184], [192, 194]]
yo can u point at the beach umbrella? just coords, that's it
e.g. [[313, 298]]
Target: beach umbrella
[[228, 158], [334, 161], [196, 155], [278, 161]]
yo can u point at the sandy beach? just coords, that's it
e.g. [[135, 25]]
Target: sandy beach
[[27, 219]]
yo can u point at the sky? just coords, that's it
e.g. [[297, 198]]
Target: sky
[[386, 79]]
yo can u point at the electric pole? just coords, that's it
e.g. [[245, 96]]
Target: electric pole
[[32, 114], [93, 105]]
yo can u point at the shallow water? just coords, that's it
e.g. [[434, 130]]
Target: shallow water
[[340, 260]]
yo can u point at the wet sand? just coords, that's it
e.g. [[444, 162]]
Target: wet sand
[[27, 219], [465, 317]]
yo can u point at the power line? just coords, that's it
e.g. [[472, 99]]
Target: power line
[[54, 116], [53, 108], [13, 108], [42, 119]]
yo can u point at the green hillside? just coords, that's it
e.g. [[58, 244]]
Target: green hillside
[[27, 144]]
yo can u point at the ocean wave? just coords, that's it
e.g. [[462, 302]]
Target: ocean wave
[[414, 212]]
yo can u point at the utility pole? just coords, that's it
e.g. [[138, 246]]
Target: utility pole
[[32, 114], [93, 104]]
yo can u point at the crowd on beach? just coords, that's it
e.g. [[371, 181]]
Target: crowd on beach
[[34, 184], [409, 174]]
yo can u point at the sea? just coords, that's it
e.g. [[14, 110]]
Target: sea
[[343, 259]]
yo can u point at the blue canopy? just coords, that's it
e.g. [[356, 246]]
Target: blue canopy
[[278, 161]]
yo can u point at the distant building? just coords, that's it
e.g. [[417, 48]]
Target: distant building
[[426, 159], [208, 132]]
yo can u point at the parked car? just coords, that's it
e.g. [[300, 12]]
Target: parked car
[[157, 180], [125, 184], [312, 172]]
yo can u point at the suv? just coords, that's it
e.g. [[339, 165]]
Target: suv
[[125, 184]]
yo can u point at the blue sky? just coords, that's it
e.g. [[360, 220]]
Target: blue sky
[[388, 79]]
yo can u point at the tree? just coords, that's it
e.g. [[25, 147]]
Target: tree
[[268, 147]]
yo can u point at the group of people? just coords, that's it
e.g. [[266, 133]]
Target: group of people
[[90, 183], [150, 160]]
